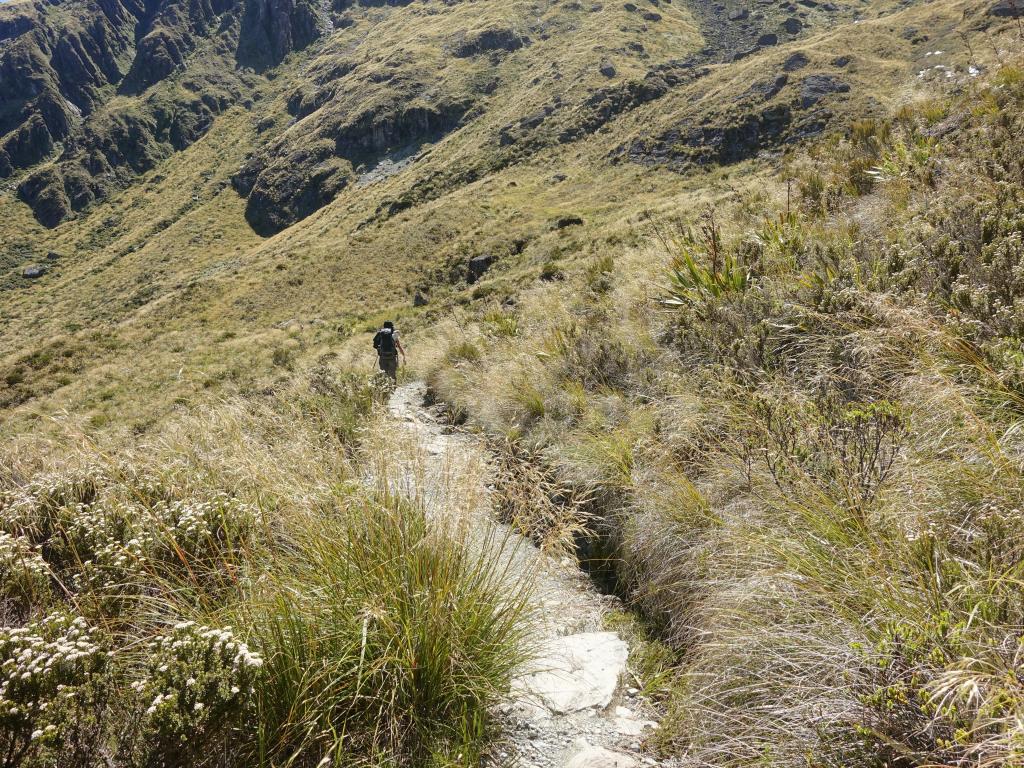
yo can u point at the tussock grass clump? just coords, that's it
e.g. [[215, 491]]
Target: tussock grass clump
[[464, 350], [384, 640], [535, 502]]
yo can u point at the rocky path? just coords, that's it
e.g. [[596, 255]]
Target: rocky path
[[574, 707]]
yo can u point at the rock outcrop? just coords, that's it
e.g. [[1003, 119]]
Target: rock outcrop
[[353, 122], [51, 77], [292, 186], [488, 41], [57, 79], [271, 29]]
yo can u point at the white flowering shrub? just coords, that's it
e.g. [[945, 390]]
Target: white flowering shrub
[[203, 531], [199, 681], [91, 544], [67, 700], [48, 675], [104, 534], [33, 510], [96, 548], [24, 575]]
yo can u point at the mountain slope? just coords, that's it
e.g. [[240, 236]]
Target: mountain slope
[[401, 141], [731, 296]]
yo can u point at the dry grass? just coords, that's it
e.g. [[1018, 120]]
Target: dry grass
[[169, 275], [384, 625], [807, 484]]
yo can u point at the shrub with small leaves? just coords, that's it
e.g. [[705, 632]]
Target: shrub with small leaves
[[47, 672], [24, 575], [202, 532], [199, 682], [103, 533], [929, 693], [33, 510]]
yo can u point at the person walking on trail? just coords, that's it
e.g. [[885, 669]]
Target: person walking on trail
[[388, 345]]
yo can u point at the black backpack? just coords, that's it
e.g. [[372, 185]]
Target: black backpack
[[384, 343]]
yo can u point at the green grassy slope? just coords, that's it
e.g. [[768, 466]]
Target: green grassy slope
[[168, 273]]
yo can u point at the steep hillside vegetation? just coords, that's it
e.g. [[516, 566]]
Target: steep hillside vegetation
[[731, 291], [404, 141], [796, 421], [65, 66]]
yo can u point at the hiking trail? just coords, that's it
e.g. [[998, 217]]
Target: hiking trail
[[575, 705]]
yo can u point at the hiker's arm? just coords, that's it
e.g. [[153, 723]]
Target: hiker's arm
[[398, 343]]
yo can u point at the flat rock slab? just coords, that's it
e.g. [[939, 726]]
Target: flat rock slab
[[577, 672], [596, 757]]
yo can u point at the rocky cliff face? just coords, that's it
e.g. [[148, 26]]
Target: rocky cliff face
[[52, 76], [304, 170], [271, 29], [59, 76]]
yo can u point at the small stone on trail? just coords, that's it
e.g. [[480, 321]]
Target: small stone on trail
[[628, 727]]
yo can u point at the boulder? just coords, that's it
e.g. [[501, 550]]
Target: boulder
[[607, 69], [1007, 9], [568, 221], [479, 266], [741, 15], [627, 724], [768, 89], [792, 25], [489, 40], [796, 61], [33, 271], [815, 87]]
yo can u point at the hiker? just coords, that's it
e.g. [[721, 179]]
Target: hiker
[[388, 346]]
